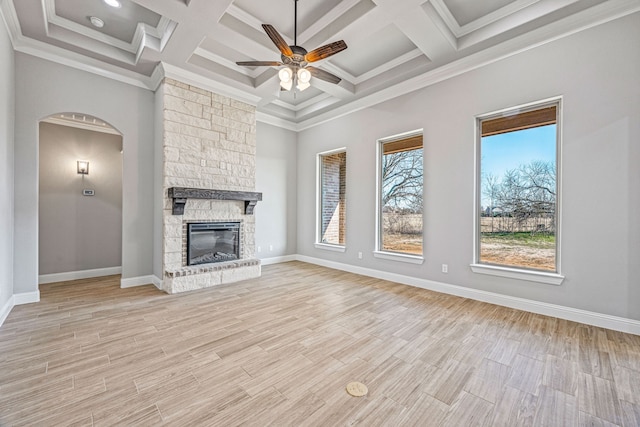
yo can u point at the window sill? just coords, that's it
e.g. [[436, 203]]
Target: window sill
[[515, 273], [328, 247], [411, 259]]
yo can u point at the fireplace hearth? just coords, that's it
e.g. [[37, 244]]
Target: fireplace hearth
[[212, 242]]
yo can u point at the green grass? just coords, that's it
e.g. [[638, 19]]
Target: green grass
[[536, 240]]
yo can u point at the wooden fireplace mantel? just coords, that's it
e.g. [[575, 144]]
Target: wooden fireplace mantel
[[181, 194]]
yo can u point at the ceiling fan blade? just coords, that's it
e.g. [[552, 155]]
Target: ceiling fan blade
[[277, 39], [325, 51], [324, 75], [259, 63]]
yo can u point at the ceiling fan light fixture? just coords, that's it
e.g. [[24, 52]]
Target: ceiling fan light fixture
[[286, 85], [286, 78], [302, 85], [296, 58], [286, 75], [304, 76]]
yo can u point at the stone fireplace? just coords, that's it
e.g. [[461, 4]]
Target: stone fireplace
[[208, 178]]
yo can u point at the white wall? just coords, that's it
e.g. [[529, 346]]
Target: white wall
[[597, 73], [126, 108], [7, 108], [78, 232], [276, 224]]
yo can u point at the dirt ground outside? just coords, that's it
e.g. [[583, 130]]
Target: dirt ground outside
[[526, 250], [402, 232], [406, 243], [538, 254]]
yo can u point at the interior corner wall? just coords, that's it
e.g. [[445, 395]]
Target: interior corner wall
[[7, 108], [158, 178], [127, 108], [78, 232], [276, 225], [596, 72]]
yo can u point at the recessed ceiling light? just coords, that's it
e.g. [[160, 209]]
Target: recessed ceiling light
[[96, 22], [113, 3]]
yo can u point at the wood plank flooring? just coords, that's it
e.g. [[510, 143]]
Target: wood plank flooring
[[279, 351]]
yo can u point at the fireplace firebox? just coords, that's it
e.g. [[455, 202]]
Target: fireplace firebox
[[212, 242]]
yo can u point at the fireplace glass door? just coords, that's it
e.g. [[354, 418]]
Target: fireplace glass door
[[213, 242]]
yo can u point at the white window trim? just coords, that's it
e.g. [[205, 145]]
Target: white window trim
[[551, 278], [379, 252], [330, 247], [398, 256], [518, 273], [318, 243]]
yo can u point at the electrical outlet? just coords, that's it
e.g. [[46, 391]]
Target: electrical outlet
[[360, 255], [445, 268], [203, 162], [270, 248], [259, 249]]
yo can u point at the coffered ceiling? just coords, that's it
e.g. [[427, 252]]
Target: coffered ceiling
[[394, 46]]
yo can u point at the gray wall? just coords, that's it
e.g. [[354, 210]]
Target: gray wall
[[79, 232], [126, 108], [597, 73], [276, 178], [158, 169], [7, 108]]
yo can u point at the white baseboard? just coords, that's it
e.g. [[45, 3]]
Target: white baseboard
[[568, 313], [17, 299], [75, 275], [132, 282], [278, 259], [26, 297], [157, 282], [6, 309]]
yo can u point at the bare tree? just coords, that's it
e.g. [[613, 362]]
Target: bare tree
[[525, 193], [490, 188], [402, 181]]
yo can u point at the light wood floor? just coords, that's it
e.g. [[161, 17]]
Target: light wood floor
[[280, 350]]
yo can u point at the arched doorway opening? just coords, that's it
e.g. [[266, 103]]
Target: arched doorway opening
[[80, 198]]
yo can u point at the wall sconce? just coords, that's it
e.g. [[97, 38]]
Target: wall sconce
[[83, 167]]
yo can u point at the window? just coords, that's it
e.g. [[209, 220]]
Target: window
[[332, 168], [400, 188], [517, 191]]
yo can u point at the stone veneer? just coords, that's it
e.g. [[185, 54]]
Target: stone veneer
[[209, 142]]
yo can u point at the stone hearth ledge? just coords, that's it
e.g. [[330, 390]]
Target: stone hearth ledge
[[208, 275], [208, 268]]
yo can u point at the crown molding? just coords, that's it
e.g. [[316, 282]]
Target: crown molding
[[10, 18], [589, 18], [74, 60], [186, 76], [276, 121]]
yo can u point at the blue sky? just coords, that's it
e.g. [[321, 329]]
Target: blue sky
[[500, 153]]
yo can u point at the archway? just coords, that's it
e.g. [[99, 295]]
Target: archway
[[80, 198]]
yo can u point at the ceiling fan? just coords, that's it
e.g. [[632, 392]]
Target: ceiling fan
[[296, 59]]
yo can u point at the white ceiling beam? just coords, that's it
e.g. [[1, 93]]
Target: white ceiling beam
[[198, 12], [326, 20], [512, 20], [422, 31], [342, 90]]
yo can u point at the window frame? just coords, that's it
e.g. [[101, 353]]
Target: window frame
[[515, 272], [319, 244], [378, 251]]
